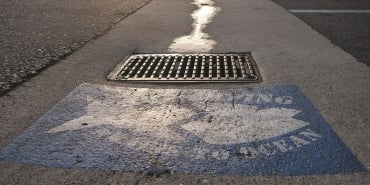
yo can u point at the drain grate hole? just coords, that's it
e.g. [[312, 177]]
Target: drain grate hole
[[183, 67], [159, 67], [174, 68], [207, 67], [198, 66], [229, 66], [151, 67], [222, 67], [214, 66], [166, 68], [237, 66], [191, 66]]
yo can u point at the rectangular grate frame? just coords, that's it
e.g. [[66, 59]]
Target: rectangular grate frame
[[187, 68]]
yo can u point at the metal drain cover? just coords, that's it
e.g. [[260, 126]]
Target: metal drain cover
[[187, 68]]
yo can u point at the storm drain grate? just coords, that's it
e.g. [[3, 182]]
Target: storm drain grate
[[187, 68]]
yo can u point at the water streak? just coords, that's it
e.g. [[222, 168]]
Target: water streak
[[197, 40]]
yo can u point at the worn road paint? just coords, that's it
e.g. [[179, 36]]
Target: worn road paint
[[197, 41], [266, 131], [329, 11], [245, 124]]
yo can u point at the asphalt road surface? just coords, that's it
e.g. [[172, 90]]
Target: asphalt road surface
[[35, 34], [350, 31]]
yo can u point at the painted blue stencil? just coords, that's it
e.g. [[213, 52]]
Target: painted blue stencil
[[266, 131]]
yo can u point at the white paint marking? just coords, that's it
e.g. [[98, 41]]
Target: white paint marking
[[224, 122], [265, 149], [100, 114], [272, 147], [220, 155], [298, 141], [246, 124], [197, 41], [310, 134], [282, 145], [286, 100], [328, 11], [249, 152]]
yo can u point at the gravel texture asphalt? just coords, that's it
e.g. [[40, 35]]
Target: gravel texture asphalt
[[35, 34]]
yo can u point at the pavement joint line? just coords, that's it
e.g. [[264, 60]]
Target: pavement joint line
[[329, 11]]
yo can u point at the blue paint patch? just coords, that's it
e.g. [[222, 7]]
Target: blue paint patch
[[309, 148]]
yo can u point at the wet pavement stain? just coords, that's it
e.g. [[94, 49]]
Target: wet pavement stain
[[197, 41]]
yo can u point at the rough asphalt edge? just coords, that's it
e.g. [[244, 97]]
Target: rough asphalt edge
[[308, 24], [52, 62]]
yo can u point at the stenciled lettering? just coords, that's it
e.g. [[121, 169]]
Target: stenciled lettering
[[249, 152], [263, 98], [220, 154], [310, 134], [250, 98], [285, 100], [282, 146], [298, 141], [266, 149]]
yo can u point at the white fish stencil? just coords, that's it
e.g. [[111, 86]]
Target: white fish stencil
[[246, 124], [220, 123]]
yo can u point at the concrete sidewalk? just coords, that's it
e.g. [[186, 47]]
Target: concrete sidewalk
[[286, 50]]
